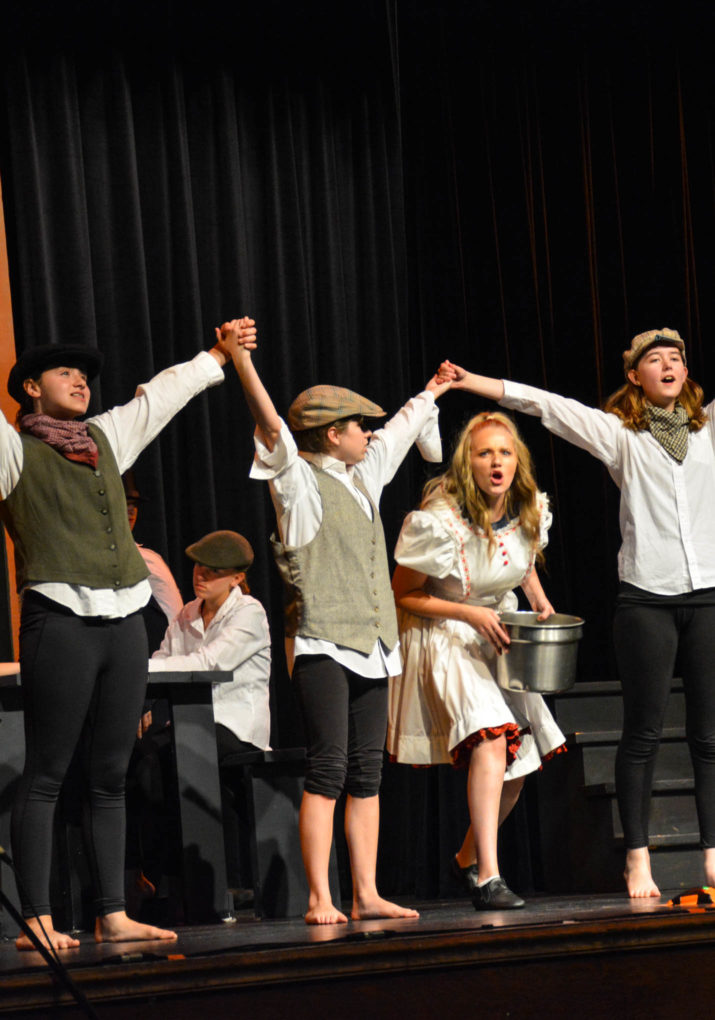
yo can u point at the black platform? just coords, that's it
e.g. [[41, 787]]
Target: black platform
[[597, 956]]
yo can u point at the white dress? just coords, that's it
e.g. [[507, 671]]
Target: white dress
[[447, 692]]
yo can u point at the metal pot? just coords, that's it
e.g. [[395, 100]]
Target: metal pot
[[542, 654]]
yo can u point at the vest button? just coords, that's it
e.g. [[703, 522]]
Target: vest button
[[113, 546], [97, 474], [117, 583], [100, 492], [104, 510], [109, 530]]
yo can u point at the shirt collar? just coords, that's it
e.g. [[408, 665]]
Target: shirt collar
[[327, 463]]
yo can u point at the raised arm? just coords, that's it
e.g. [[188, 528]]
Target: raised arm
[[238, 338], [593, 430], [408, 588], [482, 385]]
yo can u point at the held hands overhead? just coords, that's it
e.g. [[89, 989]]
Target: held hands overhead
[[438, 385], [449, 372], [236, 335]]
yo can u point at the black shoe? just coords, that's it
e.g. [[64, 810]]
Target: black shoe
[[467, 877], [495, 895]]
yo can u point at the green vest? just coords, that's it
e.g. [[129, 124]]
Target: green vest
[[338, 585], [68, 521]]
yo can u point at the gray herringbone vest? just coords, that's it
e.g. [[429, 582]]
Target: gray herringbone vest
[[338, 585]]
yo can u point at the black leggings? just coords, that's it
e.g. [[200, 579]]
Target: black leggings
[[83, 683], [647, 639], [345, 719]]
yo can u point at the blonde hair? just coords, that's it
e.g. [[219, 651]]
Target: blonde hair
[[458, 487], [629, 404]]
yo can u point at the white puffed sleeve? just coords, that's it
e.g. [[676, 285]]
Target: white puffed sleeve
[[545, 519], [426, 545]]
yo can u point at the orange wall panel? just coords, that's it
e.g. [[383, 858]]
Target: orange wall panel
[[8, 405]]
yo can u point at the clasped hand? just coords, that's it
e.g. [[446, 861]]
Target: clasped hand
[[237, 334]]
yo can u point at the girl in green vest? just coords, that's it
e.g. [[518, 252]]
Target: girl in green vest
[[83, 647]]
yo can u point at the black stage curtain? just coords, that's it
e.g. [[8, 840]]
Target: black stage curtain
[[518, 187]]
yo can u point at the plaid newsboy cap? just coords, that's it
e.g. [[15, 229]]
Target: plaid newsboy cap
[[321, 405], [654, 337]]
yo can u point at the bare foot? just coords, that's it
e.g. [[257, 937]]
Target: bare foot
[[324, 913], [49, 937], [117, 927], [377, 907], [639, 881], [709, 862]]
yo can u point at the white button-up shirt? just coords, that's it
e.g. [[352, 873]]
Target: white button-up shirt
[[667, 509], [236, 640], [299, 511]]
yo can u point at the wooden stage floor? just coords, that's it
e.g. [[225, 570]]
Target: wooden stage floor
[[596, 956]]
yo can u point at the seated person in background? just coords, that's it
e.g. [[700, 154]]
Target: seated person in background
[[224, 628]]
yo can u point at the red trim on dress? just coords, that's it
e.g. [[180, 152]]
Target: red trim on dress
[[561, 749], [461, 754]]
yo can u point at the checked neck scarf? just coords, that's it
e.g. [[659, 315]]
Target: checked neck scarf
[[70, 438], [670, 429]]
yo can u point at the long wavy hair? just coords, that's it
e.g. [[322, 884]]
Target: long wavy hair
[[458, 487], [629, 404]]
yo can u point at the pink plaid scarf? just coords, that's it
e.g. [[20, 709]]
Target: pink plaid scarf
[[70, 438]]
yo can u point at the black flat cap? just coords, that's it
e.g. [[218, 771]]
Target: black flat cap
[[36, 360]]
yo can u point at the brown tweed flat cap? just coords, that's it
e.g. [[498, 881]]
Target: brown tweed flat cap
[[321, 405], [653, 338]]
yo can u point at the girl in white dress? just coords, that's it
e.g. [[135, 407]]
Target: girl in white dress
[[481, 526]]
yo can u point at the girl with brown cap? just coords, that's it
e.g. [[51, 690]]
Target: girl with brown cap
[[326, 474]]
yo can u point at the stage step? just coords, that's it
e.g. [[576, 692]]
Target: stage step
[[582, 836], [588, 710], [673, 761], [612, 737], [659, 786], [677, 863]]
